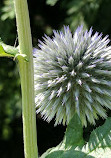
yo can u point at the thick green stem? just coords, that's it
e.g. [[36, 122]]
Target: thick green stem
[[27, 79]]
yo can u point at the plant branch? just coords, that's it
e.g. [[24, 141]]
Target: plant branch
[[27, 79]]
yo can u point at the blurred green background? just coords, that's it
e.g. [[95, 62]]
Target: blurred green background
[[45, 15]]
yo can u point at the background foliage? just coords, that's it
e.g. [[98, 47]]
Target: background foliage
[[45, 15]]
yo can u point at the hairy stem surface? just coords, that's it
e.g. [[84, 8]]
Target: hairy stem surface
[[27, 79]]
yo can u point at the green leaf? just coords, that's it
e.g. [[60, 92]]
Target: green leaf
[[99, 145], [7, 50], [75, 6], [68, 154], [101, 136], [102, 153], [73, 138], [8, 10], [74, 133], [56, 154], [2, 52], [51, 2], [55, 151]]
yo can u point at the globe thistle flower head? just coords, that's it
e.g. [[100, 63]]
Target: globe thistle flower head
[[73, 74]]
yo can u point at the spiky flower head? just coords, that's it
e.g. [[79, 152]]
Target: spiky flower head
[[73, 74]]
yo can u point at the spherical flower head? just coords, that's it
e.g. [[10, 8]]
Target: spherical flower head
[[73, 74]]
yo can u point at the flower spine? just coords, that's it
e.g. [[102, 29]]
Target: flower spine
[[73, 74]]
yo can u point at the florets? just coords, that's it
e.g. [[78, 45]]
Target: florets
[[73, 74]]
